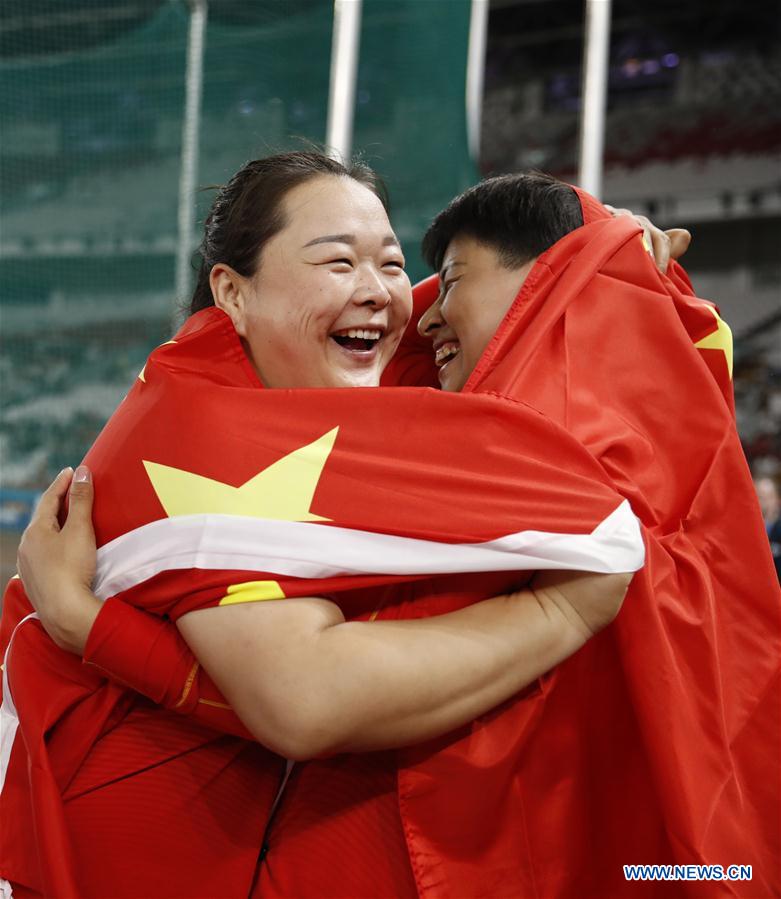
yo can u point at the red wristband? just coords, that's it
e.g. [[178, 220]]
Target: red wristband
[[143, 652]]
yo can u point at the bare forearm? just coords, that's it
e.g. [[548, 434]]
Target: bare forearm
[[414, 680], [317, 684], [69, 615]]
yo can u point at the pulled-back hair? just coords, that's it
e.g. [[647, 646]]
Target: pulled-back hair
[[519, 216], [247, 212]]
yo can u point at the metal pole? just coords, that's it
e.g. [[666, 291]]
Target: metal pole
[[475, 71], [188, 174], [592, 115], [344, 71]]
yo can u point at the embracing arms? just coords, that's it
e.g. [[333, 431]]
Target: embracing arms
[[307, 683], [303, 680]]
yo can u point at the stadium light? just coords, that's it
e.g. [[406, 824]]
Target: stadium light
[[594, 95], [189, 172], [475, 70], [344, 70]]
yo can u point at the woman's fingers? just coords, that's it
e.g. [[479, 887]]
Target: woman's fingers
[[57, 564], [45, 514], [658, 240], [662, 245], [44, 523], [80, 499], [680, 239]]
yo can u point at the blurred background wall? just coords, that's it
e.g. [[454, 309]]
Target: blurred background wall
[[92, 100]]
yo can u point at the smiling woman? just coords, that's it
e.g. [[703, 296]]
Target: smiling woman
[[477, 290], [303, 259], [484, 244]]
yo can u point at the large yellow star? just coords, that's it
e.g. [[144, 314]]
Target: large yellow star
[[720, 339], [283, 491]]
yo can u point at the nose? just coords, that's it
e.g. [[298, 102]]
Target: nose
[[372, 291], [431, 320]]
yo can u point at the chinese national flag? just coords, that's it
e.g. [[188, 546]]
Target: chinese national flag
[[211, 490], [656, 743]]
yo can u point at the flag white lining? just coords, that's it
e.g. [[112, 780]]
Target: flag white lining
[[9, 719], [296, 549]]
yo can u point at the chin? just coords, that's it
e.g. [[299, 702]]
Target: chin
[[451, 382], [354, 379], [373, 381]]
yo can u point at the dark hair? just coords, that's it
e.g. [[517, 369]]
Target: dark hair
[[247, 211], [519, 216]]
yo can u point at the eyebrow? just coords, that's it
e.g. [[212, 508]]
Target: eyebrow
[[445, 268], [389, 241]]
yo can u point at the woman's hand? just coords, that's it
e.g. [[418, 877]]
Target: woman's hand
[[662, 245], [588, 601], [57, 564]]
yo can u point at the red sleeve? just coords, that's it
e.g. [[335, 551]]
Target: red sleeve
[[148, 654]]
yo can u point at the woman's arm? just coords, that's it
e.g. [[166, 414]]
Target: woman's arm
[[306, 682], [128, 645]]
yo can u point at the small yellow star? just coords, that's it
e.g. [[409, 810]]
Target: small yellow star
[[720, 339], [141, 373], [252, 591]]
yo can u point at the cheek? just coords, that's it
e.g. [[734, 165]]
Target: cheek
[[459, 312], [474, 327], [291, 313], [402, 304]]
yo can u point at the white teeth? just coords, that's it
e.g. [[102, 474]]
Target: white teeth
[[362, 333], [445, 352]]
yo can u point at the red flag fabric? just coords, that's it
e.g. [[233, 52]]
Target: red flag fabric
[[212, 491], [658, 743]]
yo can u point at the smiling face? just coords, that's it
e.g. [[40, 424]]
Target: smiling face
[[476, 292], [330, 298]]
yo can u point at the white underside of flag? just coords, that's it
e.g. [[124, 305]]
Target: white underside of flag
[[312, 550], [9, 720]]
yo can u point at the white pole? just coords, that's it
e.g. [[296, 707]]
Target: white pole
[[188, 174], [344, 71], [475, 71], [592, 115]]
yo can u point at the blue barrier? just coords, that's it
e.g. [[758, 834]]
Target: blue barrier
[[16, 507]]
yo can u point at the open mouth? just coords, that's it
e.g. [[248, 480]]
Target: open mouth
[[446, 352], [357, 340]]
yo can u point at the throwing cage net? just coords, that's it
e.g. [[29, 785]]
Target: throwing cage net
[[93, 108]]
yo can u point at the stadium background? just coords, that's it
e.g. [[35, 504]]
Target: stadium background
[[92, 100]]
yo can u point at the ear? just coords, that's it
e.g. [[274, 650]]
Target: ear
[[228, 289]]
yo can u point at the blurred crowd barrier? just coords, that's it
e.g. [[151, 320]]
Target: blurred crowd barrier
[[91, 111]]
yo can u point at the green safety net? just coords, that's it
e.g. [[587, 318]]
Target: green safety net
[[92, 101]]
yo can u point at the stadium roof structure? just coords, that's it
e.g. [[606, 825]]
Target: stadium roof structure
[[49, 26], [39, 27]]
